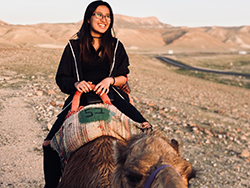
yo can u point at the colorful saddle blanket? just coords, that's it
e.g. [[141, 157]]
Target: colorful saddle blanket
[[90, 123]]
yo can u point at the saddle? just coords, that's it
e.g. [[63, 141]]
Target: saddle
[[84, 124]]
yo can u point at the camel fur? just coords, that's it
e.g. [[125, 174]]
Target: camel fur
[[143, 154]]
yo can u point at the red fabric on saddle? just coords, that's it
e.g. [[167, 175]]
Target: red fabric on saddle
[[76, 99]]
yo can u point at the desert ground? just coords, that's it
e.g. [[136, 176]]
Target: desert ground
[[208, 114], [209, 119]]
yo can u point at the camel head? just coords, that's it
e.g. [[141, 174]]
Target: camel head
[[143, 154]]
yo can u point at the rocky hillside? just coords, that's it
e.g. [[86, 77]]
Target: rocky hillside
[[133, 22], [135, 33]]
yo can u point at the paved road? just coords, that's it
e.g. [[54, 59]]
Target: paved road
[[181, 65]]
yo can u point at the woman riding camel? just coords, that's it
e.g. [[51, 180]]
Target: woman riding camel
[[88, 60]]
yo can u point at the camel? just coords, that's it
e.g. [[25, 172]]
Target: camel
[[127, 164], [142, 155], [91, 166], [98, 164]]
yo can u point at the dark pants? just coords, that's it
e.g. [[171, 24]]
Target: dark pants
[[51, 160], [128, 109], [52, 168]]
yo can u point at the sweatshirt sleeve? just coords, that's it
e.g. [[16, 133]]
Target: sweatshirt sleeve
[[121, 62], [66, 76]]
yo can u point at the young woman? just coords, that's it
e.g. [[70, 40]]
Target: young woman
[[93, 51]]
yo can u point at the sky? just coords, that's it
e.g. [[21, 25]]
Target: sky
[[191, 13]]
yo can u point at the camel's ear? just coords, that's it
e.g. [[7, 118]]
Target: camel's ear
[[120, 153], [175, 145]]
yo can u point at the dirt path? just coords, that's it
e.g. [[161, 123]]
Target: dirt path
[[20, 143]]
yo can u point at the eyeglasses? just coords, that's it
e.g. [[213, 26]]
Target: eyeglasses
[[100, 16]]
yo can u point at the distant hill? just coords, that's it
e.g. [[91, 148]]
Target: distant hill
[[2, 23], [135, 33], [133, 22]]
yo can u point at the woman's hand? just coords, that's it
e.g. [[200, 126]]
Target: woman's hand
[[103, 86], [46, 142], [83, 86]]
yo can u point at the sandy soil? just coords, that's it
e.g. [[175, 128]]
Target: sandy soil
[[20, 142]]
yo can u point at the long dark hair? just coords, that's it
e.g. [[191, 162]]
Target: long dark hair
[[86, 38]]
